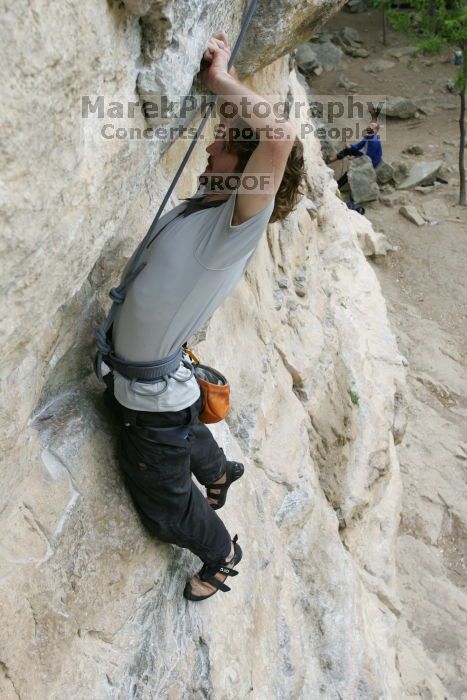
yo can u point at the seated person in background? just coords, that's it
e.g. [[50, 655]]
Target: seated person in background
[[369, 146]]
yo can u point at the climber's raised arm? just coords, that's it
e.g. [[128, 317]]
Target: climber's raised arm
[[276, 135]]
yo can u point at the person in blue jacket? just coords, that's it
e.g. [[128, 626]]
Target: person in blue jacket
[[369, 146]]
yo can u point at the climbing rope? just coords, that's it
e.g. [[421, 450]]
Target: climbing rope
[[117, 294]]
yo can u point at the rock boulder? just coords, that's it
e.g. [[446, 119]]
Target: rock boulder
[[399, 107], [362, 180], [422, 173]]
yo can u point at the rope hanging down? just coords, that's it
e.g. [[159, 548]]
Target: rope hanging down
[[117, 294]]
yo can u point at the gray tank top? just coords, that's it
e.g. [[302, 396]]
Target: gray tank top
[[191, 268]]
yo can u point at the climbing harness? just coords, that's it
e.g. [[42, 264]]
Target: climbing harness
[[152, 371]]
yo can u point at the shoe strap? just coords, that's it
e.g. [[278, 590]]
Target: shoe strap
[[220, 568], [213, 581], [222, 487], [232, 470]]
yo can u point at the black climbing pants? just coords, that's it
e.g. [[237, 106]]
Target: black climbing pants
[[158, 452], [343, 180]]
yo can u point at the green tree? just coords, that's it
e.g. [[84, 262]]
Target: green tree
[[384, 6], [437, 25]]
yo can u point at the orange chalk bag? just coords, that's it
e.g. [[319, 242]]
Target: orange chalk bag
[[215, 390]]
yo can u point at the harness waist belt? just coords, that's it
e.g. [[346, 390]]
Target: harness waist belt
[[145, 370]]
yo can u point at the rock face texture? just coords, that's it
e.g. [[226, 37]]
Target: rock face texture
[[91, 605], [431, 545]]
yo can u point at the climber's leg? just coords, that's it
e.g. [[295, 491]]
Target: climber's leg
[[207, 458], [342, 181], [158, 478]]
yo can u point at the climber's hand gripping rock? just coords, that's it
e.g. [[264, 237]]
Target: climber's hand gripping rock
[[215, 61]]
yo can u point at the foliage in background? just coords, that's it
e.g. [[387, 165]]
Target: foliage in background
[[436, 25]]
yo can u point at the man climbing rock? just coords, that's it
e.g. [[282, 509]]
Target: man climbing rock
[[198, 256], [369, 146]]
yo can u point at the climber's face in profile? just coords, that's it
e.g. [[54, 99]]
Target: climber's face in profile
[[220, 161]]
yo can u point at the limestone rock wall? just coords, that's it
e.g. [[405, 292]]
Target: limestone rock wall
[[91, 606]]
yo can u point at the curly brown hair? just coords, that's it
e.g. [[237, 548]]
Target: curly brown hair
[[288, 195]]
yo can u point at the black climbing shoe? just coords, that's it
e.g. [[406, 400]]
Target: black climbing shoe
[[207, 574], [234, 471]]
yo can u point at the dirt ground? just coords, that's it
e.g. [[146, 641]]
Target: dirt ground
[[423, 281], [427, 270]]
